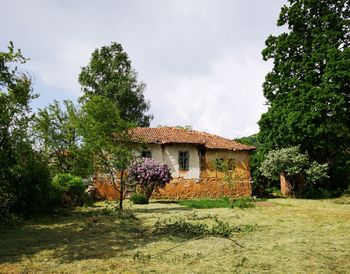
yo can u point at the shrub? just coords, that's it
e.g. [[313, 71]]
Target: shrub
[[139, 199], [296, 167], [149, 175], [24, 186], [68, 190], [88, 200], [347, 191], [6, 202], [273, 191], [322, 193]]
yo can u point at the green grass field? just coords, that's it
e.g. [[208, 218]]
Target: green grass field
[[217, 203], [275, 236]]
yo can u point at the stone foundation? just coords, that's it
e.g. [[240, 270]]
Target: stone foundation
[[180, 188], [106, 190]]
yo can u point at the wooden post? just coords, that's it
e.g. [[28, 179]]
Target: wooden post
[[286, 187]]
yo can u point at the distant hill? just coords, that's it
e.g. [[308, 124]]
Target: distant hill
[[251, 140], [188, 127]]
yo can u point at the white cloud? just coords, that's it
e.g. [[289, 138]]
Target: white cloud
[[63, 70], [227, 101], [200, 59]]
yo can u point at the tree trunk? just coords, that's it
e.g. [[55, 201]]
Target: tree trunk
[[147, 191], [286, 186], [121, 191], [148, 195]]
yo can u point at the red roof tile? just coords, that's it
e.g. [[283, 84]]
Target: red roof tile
[[170, 135]]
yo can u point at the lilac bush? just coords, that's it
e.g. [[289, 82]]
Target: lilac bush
[[149, 174]]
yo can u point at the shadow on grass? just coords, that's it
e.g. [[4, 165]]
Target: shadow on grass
[[161, 210], [72, 238], [164, 201]]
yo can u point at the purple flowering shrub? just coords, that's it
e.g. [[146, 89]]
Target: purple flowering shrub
[[149, 174]]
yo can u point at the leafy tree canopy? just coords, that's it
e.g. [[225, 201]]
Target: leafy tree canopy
[[308, 89], [105, 134], [110, 74], [295, 166], [251, 140], [57, 135], [187, 127], [23, 173]]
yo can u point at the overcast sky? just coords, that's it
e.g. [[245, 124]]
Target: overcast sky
[[201, 60]]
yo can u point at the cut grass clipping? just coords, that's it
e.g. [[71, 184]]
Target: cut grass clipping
[[218, 203], [181, 228]]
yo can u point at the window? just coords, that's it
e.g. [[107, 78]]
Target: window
[[184, 160], [219, 164], [146, 154], [231, 164]]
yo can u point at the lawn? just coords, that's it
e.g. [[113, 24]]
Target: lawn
[[274, 236], [217, 203]]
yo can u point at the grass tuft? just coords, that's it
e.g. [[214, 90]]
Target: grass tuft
[[242, 203]]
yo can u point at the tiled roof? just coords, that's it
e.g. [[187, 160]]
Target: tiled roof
[[171, 135]]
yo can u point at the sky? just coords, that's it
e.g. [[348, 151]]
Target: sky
[[200, 59]]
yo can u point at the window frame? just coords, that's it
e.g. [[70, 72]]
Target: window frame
[[145, 153], [184, 162]]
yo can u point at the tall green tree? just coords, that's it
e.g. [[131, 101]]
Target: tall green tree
[[106, 135], [308, 89], [24, 178], [110, 74], [251, 140], [56, 129]]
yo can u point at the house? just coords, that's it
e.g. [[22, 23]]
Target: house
[[202, 164]]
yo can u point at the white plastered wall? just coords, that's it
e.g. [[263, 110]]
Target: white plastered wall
[[169, 154], [171, 158], [155, 149]]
